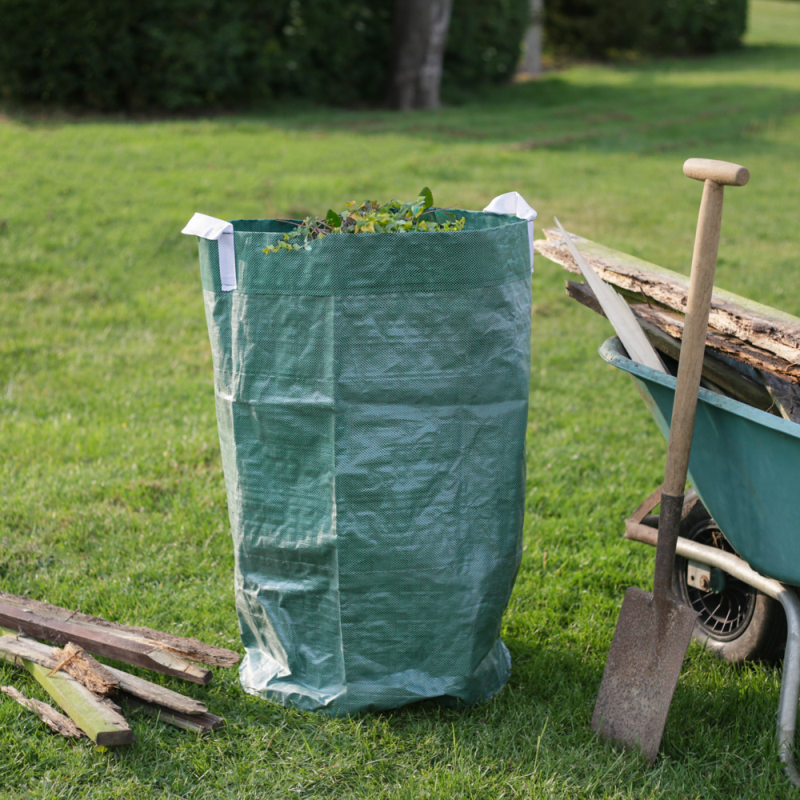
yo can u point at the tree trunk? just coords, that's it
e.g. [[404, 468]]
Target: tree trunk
[[419, 36], [532, 65]]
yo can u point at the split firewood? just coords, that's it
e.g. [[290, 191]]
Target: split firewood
[[144, 647], [91, 673], [54, 720], [774, 335]]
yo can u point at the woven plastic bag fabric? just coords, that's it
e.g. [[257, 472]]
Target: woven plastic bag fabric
[[372, 401]]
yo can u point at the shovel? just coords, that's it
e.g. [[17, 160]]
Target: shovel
[[654, 629]]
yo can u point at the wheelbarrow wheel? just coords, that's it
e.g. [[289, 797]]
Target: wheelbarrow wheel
[[736, 621]]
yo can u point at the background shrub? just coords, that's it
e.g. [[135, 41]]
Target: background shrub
[[594, 28], [173, 54], [118, 54], [336, 52], [600, 28], [697, 26], [484, 41]]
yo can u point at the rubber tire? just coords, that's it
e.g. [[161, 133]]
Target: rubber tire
[[763, 637]]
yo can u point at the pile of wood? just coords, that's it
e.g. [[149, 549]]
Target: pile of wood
[[83, 687], [752, 351]]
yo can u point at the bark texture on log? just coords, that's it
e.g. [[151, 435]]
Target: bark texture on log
[[739, 328], [419, 37], [732, 381], [90, 672]]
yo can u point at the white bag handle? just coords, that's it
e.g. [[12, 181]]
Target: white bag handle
[[514, 203], [217, 229]]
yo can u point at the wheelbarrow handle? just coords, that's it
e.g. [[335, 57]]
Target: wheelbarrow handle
[[716, 175]]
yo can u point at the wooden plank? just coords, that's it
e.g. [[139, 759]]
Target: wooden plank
[[153, 693], [198, 723], [50, 657], [767, 329], [728, 378], [100, 640], [54, 720], [672, 322], [96, 717], [186, 648]]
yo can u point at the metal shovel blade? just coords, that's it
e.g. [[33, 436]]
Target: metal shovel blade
[[647, 652]]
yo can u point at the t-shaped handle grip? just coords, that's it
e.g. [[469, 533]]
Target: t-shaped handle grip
[[722, 172]]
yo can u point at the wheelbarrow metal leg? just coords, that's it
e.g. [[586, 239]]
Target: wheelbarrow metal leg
[[790, 683], [785, 595]]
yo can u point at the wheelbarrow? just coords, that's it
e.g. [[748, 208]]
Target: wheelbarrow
[[738, 551]]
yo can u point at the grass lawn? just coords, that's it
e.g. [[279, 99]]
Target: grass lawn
[[111, 490]]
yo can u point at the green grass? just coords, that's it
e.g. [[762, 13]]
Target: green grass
[[111, 492]]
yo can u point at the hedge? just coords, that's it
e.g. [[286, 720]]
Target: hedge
[[118, 54], [600, 28], [173, 54]]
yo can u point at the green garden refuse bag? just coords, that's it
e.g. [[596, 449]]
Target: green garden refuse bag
[[372, 402]]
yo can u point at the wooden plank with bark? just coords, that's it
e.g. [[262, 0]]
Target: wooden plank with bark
[[730, 379], [672, 322], [743, 381], [198, 723], [53, 658], [101, 641], [774, 332], [54, 719], [185, 647], [159, 695], [97, 717]]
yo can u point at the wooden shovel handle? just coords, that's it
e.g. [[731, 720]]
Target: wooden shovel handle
[[716, 175], [690, 367]]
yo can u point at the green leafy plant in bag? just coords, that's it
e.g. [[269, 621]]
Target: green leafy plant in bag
[[372, 217]]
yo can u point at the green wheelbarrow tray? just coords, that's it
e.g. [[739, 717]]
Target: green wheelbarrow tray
[[745, 467]]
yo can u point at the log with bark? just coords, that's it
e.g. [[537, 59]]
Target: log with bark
[[752, 351], [773, 336]]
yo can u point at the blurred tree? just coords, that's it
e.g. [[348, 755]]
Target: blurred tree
[[419, 37], [532, 62]]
